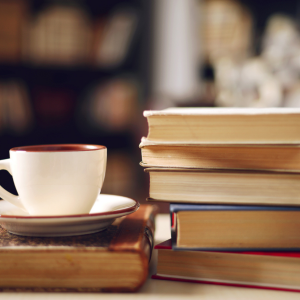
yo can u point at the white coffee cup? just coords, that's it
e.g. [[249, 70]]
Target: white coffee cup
[[55, 180]]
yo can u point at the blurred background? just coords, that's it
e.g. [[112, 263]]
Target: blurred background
[[83, 71]]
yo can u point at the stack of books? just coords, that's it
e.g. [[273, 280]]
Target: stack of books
[[232, 177]]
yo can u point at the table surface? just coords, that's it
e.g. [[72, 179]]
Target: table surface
[[161, 289]]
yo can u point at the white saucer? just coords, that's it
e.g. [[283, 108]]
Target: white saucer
[[105, 210]]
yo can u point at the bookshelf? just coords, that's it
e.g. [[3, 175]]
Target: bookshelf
[[78, 80]]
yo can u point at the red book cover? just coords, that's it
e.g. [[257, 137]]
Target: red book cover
[[275, 261]]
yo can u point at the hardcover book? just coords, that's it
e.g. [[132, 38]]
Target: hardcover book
[[113, 260], [224, 186], [235, 227], [267, 270], [251, 157], [224, 125]]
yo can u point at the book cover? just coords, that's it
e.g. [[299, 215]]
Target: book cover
[[114, 260], [235, 227], [263, 270]]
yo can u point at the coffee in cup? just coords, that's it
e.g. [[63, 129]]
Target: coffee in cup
[[54, 180]]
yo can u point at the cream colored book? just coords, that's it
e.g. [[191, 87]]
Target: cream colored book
[[235, 227], [224, 125], [251, 157], [224, 187]]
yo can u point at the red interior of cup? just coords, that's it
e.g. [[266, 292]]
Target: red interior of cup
[[58, 148]]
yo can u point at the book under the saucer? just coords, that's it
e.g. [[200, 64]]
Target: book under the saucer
[[113, 260]]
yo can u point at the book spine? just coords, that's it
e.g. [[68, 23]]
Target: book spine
[[137, 239]]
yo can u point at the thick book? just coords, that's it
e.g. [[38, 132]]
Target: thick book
[[251, 157], [266, 270], [113, 260], [235, 227], [224, 186], [225, 125]]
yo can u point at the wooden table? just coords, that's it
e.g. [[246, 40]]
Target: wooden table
[[161, 289]]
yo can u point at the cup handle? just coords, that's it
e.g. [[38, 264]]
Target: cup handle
[[15, 200]]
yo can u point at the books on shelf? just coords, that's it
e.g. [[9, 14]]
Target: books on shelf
[[251, 157], [235, 227], [269, 270], [51, 104], [13, 16], [114, 38], [112, 260], [119, 175], [224, 125], [66, 35], [224, 186], [16, 112], [59, 35], [112, 104]]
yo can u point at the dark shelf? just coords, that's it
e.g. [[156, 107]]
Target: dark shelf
[[58, 76], [95, 8]]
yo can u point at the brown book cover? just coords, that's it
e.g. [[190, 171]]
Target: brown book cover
[[114, 260]]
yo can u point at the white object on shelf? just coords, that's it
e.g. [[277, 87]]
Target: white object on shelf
[[175, 50]]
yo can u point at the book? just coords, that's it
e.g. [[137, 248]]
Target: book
[[235, 227], [224, 186], [13, 17], [50, 104], [267, 270], [224, 125], [251, 157], [116, 38], [66, 33], [18, 108], [114, 260]]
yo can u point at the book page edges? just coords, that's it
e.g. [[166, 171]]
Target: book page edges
[[217, 171], [262, 203], [228, 283], [146, 142], [199, 111], [145, 165]]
